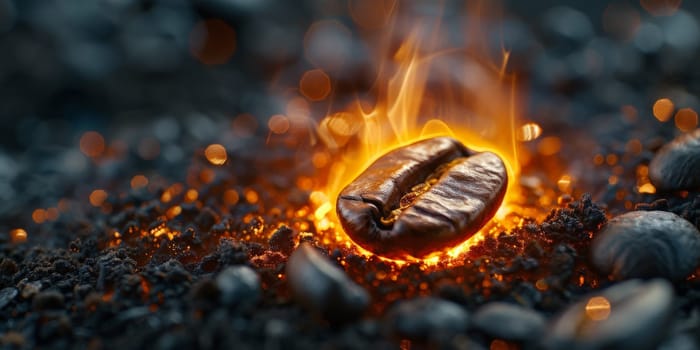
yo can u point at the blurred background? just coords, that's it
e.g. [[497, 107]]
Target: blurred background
[[155, 79]]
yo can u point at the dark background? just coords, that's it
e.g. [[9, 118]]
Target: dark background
[[131, 69]]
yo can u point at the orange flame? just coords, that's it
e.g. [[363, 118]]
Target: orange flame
[[424, 91]]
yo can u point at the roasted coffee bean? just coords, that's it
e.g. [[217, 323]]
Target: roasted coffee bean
[[421, 198]]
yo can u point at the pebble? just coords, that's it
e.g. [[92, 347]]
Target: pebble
[[7, 295], [426, 319], [629, 315], [680, 342], [49, 300], [239, 286], [676, 165], [29, 289], [282, 240], [646, 244], [509, 321], [323, 287]]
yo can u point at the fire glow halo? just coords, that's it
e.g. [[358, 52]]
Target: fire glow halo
[[424, 89]]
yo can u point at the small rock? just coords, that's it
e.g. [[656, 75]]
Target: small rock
[[680, 342], [205, 292], [676, 165], [239, 285], [629, 315], [12, 340], [7, 295], [646, 244], [8, 267], [62, 266], [283, 240], [173, 271], [49, 300], [508, 321], [426, 319], [30, 289], [323, 287]]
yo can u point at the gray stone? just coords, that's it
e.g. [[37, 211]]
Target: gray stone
[[646, 244], [7, 295], [635, 318], [509, 321], [676, 165], [239, 285], [323, 287], [426, 319], [49, 300]]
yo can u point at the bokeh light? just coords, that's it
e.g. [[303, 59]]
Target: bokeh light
[[92, 144], [315, 85], [598, 309], [213, 42], [139, 181], [663, 109], [97, 197], [216, 154], [529, 132], [661, 7], [18, 235], [278, 124], [686, 119]]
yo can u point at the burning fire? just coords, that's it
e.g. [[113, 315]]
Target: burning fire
[[426, 89]]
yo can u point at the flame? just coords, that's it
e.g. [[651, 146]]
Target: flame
[[423, 91]]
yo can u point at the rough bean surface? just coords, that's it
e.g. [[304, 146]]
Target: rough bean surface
[[422, 198]]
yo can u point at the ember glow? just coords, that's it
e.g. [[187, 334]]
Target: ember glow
[[423, 90]]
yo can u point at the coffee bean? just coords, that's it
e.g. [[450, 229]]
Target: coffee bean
[[421, 198], [676, 165], [644, 244]]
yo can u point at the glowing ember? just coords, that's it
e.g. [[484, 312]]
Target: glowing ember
[[278, 124], [647, 188], [529, 132], [598, 309], [18, 235]]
